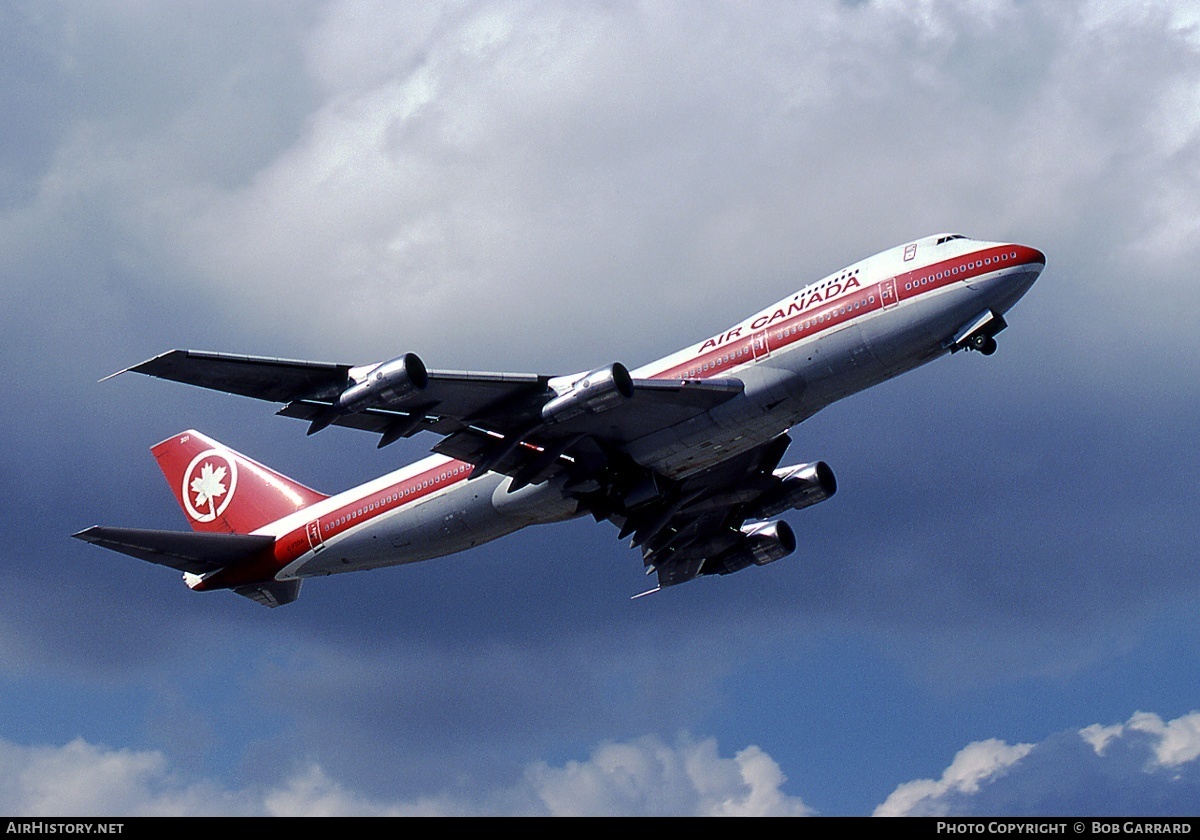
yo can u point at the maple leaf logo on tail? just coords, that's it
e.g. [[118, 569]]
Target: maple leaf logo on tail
[[222, 491], [209, 487]]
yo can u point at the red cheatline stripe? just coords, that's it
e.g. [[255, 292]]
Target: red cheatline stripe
[[350, 515], [812, 321]]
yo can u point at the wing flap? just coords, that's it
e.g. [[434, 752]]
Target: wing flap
[[378, 420], [679, 571]]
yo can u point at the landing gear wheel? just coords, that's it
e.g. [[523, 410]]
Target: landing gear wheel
[[982, 342]]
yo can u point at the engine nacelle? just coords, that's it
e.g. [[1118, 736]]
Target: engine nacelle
[[765, 542], [592, 393], [769, 541], [385, 385], [801, 486]]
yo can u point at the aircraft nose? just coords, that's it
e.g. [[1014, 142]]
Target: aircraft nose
[[1031, 256], [1030, 262]]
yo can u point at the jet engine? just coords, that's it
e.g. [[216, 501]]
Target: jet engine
[[801, 486], [592, 393], [769, 541], [765, 542], [385, 385]]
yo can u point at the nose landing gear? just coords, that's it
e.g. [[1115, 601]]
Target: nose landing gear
[[978, 334], [982, 342]]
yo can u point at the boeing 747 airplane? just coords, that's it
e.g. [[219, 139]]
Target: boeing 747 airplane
[[682, 455]]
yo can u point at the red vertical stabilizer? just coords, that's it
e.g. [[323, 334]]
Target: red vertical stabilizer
[[224, 491]]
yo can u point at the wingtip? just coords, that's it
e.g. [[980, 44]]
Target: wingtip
[[140, 365]]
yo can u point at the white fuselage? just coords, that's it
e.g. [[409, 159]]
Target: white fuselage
[[846, 332]]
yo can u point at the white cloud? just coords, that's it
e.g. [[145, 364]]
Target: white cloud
[[640, 777], [1176, 742], [311, 793], [82, 779], [1144, 766], [976, 764], [648, 777], [1099, 736]]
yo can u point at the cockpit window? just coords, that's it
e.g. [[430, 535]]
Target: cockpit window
[[944, 239]]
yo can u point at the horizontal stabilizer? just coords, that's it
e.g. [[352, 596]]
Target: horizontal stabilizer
[[188, 551]]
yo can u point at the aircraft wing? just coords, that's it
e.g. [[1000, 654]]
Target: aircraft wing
[[275, 380], [505, 422]]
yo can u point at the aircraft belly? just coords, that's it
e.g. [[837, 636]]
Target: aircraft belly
[[444, 524], [477, 511], [838, 365], [915, 332]]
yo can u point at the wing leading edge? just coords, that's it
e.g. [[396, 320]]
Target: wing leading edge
[[504, 422]]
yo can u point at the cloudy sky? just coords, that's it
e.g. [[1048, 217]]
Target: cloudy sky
[[998, 613]]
